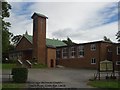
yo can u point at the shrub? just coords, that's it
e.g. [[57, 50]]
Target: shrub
[[19, 75], [9, 61]]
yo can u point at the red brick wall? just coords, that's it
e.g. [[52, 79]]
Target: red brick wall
[[51, 55], [39, 41], [24, 44], [82, 62], [115, 56], [99, 54], [27, 55], [103, 51]]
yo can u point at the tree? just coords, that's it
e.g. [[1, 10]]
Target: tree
[[69, 42], [106, 39], [15, 39], [6, 35], [118, 36], [5, 27]]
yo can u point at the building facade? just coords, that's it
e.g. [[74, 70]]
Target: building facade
[[37, 48], [88, 55], [52, 52]]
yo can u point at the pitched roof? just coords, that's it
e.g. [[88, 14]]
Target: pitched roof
[[28, 37], [54, 42], [49, 42]]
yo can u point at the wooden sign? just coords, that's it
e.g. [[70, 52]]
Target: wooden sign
[[106, 66]]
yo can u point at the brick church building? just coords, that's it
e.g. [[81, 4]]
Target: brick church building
[[52, 52]]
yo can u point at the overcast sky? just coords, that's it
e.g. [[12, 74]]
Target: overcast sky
[[81, 21]]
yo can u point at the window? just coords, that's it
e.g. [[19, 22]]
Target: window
[[93, 47], [118, 50], [58, 54], [117, 62], [81, 51], [64, 52], [72, 52], [93, 61]]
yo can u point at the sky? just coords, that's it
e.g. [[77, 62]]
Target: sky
[[81, 21]]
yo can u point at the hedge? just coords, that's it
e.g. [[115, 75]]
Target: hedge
[[19, 75]]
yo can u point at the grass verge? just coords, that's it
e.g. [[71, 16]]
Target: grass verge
[[13, 86], [8, 66], [39, 66], [105, 84]]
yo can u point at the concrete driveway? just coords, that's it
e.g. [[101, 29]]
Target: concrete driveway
[[61, 78]]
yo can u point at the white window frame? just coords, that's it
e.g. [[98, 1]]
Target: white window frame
[[72, 52], [64, 51], [117, 50], [117, 62], [93, 47], [93, 61], [80, 49]]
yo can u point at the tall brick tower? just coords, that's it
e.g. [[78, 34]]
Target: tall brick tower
[[39, 37]]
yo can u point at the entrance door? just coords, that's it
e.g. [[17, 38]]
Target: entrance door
[[51, 63]]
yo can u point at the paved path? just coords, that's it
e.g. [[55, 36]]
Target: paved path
[[58, 77]]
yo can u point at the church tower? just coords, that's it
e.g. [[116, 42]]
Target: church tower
[[39, 38]]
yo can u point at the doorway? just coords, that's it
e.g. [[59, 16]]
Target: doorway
[[51, 63]]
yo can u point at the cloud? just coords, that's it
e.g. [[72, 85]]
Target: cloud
[[67, 15], [105, 15], [89, 35], [19, 24], [20, 18], [81, 21], [64, 0]]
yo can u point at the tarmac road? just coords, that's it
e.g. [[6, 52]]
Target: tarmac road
[[56, 78], [67, 78]]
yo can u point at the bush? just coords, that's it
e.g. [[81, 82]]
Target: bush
[[9, 61], [19, 75]]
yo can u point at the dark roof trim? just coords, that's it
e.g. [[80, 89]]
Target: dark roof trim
[[51, 47], [88, 43], [39, 15]]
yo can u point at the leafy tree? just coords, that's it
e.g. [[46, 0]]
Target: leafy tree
[[118, 36], [106, 39], [69, 42], [6, 34], [5, 27]]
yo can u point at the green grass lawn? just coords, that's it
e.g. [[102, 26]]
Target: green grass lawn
[[39, 66], [13, 86], [8, 66], [105, 83]]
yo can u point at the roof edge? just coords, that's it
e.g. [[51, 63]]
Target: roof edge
[[39, 15]]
